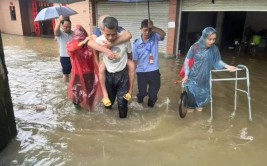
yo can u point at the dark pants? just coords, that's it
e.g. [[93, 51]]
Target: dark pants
[[65, 64], [117, 85], [148, 84], [191, 101]]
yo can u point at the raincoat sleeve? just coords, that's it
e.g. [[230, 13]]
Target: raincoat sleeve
[[218, 63], [189, 55], [72, 46], [84, 86]]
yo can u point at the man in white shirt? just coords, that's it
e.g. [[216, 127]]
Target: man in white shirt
[[63, 36], [117, 78], [123, 36]]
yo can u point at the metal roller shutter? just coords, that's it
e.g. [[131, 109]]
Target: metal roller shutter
[[224, 5], [130, 16]]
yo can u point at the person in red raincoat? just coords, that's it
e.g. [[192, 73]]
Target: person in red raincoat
[[84, 88]]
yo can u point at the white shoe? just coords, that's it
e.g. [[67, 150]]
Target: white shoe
[[199, 109]]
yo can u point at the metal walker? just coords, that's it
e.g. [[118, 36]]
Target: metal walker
[[240, 67]]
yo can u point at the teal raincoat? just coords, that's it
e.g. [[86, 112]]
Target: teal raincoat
[[205, 59]]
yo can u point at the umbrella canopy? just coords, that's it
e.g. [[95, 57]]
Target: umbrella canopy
[[63, 1], [132, 1], [54, 12]]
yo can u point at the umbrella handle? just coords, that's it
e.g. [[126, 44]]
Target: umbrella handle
[[148, 10], [60, 9]]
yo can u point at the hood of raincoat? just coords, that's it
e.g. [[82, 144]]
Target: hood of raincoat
[[205, 34], [79, 33]]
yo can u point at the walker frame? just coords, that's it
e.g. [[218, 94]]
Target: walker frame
[[247, 91]]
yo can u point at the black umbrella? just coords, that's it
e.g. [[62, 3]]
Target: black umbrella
[[133, 1]]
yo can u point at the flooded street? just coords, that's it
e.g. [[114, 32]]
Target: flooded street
[[61, 135]]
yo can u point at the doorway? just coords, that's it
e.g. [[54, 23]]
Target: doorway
[[232, 28], [46, 27], [192, 24]]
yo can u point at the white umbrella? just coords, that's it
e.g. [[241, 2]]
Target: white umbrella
[[63, 1], [54, 12]]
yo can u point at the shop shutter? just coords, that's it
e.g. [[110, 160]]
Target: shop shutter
[[130, 16]]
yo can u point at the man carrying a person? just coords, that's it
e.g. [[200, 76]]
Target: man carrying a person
[[116, 74], [123, 36]]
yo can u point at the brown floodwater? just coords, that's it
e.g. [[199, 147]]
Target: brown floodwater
[[61, 135]]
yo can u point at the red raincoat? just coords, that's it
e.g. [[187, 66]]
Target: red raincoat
[[84, 86]]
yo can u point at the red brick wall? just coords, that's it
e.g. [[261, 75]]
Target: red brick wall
[[174, 6]]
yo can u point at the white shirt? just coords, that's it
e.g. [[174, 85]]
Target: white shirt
[[62, 40], [120, 52]]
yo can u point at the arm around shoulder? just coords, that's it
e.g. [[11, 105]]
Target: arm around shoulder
[[123, 37], [93, 44]]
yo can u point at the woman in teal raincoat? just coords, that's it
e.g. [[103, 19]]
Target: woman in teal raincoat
[[206, 57]]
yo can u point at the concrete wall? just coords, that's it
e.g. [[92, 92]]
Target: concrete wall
[[174, 15], [7, 119], [6, 24], [83, 16]]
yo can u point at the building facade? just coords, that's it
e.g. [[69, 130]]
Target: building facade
[[17, 17]]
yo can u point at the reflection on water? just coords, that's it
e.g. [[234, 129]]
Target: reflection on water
[[60, 135]]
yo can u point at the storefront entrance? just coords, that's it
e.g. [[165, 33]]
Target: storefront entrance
[[46, 27]]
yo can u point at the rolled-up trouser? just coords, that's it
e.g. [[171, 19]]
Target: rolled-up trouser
[[117, 85]]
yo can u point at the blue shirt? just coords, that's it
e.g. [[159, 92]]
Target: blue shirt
[[98, 33], [142, 51]]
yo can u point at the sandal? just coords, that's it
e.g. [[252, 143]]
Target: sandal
[[106, 102], [127, 96]]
